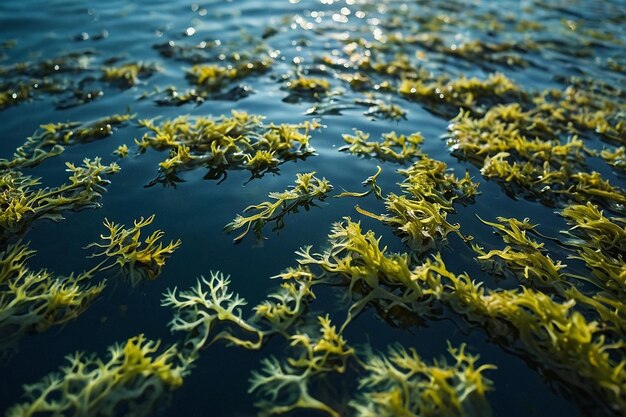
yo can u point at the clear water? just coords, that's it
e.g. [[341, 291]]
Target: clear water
[[197, 210]]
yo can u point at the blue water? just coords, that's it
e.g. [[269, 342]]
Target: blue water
[[197, 210]]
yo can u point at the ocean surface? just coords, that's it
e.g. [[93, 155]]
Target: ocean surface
[[195, 209]]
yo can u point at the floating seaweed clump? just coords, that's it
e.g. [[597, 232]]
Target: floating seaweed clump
[[402, 384], [527, 261], [121, 151], [381, 109], [523, 257], [241, 141], [313, 88], [393, 147], [616, 158], [303, 194], [546, 169], [210, 306], [133, 381], [601, 243], [286, 385], [125, 250], [209, 312], [419, 214], [51, 139], [554, 335], [33, 301], [471, 94], [373, 276], [27, 80], [128, 75], [213, 78], [22, 204]]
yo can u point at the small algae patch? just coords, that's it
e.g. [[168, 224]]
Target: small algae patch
[[307, 189]]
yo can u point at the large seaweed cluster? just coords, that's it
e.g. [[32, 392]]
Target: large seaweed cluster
[[136, 377], [240, 141]]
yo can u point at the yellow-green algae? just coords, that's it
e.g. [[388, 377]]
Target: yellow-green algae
[[135, 378], [212, 78], [403, 384], [210, 311], [370, 182], [303, 194], [553, 334], [51, 139], [285, 385], [31, 301], [535, 144], [393, 147], [23, 204], [419, 214], [241, 141], [128, 75], [136, 259]]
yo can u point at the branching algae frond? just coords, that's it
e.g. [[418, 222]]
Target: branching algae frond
[[303, 194], [128, 75], [51, 139], [310, 88], [371, 183], [419, 215], [124, 249], [471, 94], [32, 301], [285, 307], [601, 244], [371, 275], [285, 386], [402, 384], [392, 148], [555, 336], [523, 257], [131, 382], [241, 141], [213, 78], [21, 204]]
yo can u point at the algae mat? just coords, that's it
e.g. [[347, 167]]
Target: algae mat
[[343, 208]]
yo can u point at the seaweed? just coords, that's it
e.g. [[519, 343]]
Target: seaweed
[[371, 275], [210, 79], [311, 88], [402, 384], [553, 334], [241, 141], [128, 75], [285, 386], [471, 94], [303, 194], [51, 139], [420, 214], [371, 183], [393, 147], [22, 204], [122, 248], [133, 381], [31, 301]]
